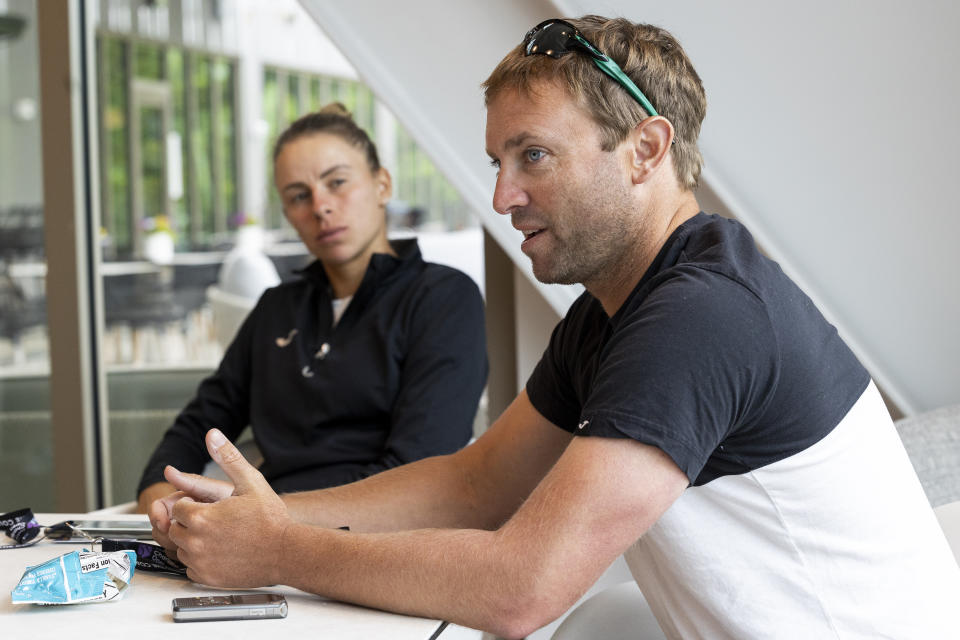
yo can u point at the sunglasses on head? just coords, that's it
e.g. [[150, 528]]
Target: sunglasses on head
[[556, 38]]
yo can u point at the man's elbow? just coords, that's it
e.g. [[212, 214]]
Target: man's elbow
[[514, 623], [533, 603], [518, 628]]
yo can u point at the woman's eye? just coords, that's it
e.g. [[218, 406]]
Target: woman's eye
[[336, 182], [534, 155], [299, 197]]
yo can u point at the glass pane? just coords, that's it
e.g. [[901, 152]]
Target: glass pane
[[158, 339], [201, 139], [152, 161], [336, 91], [326, 90], [293, 99], [225, 141], [26, 457], [348, 95], [116, 237], [143, 403], [180, 202], [429, 200], [316, 97], [362, 108], [148, 61], [271, 114]]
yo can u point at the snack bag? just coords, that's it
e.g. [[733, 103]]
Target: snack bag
[[75, 577]]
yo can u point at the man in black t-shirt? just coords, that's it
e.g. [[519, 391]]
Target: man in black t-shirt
[[693, 410]]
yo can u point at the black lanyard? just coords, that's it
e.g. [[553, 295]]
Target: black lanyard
[[150, 557], [22, 526]]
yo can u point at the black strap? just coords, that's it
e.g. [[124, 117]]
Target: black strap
[[22, 526], [150, 557]]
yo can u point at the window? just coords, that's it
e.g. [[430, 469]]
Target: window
[[169, 164], [169, 158], [26, 457]]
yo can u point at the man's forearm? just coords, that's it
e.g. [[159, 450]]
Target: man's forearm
[[478, 487], [470, 577], [595, 502], [435, 492], [443, 537]]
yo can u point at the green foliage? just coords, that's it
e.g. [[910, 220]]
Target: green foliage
[[204, 114]]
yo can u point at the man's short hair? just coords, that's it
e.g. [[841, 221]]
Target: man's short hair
[[649, 55]]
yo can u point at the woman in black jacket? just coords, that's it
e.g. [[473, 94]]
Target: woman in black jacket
[[372, 359]]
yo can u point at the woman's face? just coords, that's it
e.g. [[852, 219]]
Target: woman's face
[[332, 199]]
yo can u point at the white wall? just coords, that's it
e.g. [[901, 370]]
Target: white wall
[[832, 130]]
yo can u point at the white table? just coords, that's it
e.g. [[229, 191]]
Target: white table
[[144, 612]]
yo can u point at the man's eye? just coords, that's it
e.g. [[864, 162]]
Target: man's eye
[[298, 197], [336, 182], [534, 155]]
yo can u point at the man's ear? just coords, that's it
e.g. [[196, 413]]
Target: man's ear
[[650, 144], [384, 186]]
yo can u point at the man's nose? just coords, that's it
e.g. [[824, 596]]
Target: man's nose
[[508, 194]]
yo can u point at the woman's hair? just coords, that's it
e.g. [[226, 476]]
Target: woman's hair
[[333, 119]]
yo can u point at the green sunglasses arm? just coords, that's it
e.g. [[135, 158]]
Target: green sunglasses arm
[[613, 70]]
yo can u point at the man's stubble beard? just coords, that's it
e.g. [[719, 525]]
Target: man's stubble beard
[[600, 248]]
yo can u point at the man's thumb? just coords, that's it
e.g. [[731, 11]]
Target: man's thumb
[[244, 476]]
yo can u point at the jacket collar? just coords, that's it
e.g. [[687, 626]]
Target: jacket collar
[[382, 266]]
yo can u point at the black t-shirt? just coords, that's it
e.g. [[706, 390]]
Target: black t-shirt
[[716, 358]]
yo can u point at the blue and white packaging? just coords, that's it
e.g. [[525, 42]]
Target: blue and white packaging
[[75, 577]]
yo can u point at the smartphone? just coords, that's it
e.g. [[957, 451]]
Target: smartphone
[[62, 532], [240, 606]]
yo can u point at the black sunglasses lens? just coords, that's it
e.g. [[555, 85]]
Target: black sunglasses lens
[[552, 38]]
